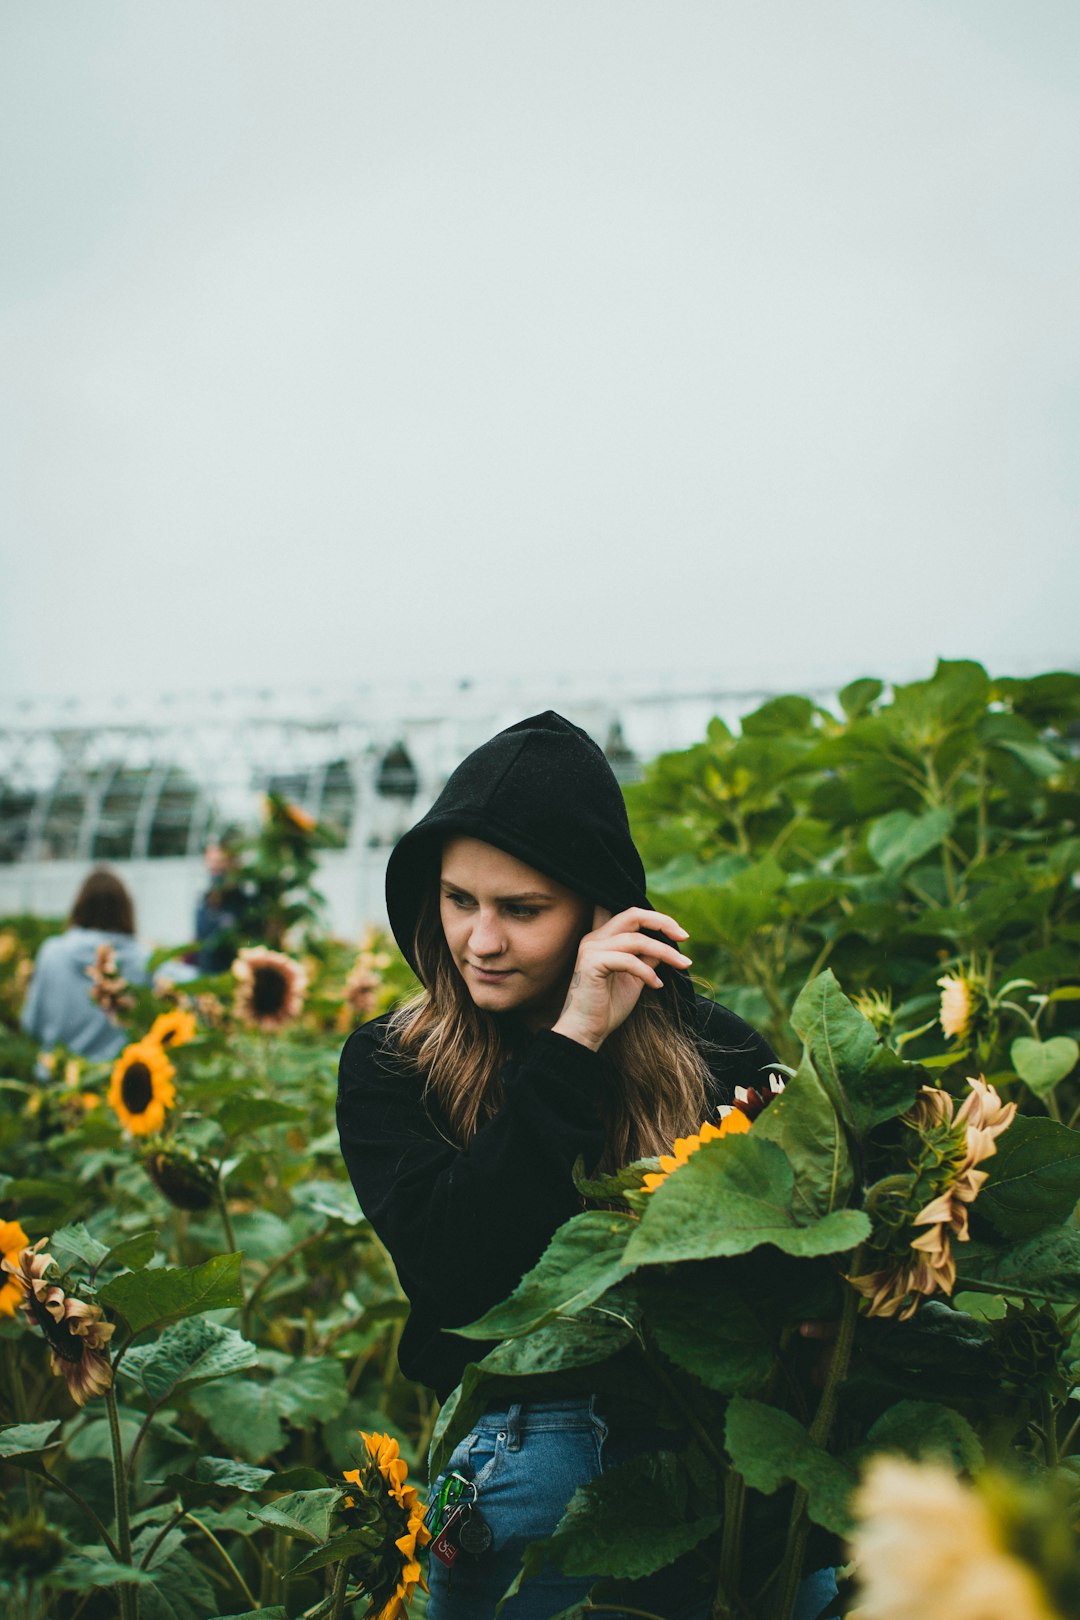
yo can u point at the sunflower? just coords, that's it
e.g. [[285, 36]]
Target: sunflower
[[733, 1123], [187, 1181], [393, 1572], [12, 1240], [108, 987], [141, 1089], [173, 1028], [960, 998], [270, 988], [76, 1330]]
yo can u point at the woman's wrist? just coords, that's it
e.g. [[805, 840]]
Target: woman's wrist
[[574, 1032]]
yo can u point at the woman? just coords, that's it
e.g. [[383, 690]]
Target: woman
[[558, 1023], [58, 1010]]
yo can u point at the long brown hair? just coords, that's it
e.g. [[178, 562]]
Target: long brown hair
[[659, 1075], [103, 902]]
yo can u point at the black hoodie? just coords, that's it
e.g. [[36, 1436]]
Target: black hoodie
[[464, 1225]]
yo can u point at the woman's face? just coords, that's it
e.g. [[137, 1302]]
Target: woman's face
[[513, 933]]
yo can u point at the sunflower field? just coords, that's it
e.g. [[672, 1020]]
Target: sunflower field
[[200, 1409]]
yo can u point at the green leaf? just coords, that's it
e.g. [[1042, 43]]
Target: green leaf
[[715, 1334], [181, 1590], [803, 1123], [189, 1352], [1041, 1064], [899, 839], [769, 1447], [733, 1195], [597, 1332], [23, 1439], [214, 1476], [74, 1242], [924, 1429], [603, 1188], [1034, 1177], [307, 1515], [583, 1259], [857, 696], [85, 1572], [133, 1253], [632, 1520], [1047, 1265], [349, 1545], [274, 1613], [865, 1082], [164, 1293], [247, 1416], [238, 1115]]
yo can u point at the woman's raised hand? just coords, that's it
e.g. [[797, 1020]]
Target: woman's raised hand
[[615, 962]]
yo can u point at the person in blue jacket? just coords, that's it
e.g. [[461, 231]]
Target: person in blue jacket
[[558, 1022], [58, 1010]]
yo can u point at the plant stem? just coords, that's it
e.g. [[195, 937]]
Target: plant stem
[[273, 1268], [341, 1581], [820, 1429], [210, 1536], [670, 1387], [80, 1502], [731, 1543], [1049, 1423], [129, 1599], [230, 1239]]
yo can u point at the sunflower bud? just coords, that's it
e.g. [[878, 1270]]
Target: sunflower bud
[[29, 1547], [179, 1175], [1028, 1348]]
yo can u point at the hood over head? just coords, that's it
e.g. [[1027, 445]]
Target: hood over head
[[542, 791]]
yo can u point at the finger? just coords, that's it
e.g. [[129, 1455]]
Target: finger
[[641, 944], [624, 962], [640, 917]]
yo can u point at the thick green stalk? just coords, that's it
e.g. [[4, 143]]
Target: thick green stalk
[[798, 1526], [731, 1544], [341, 1581], [129, 1596]]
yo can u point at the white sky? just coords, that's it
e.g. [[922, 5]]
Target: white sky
[[476, 339]]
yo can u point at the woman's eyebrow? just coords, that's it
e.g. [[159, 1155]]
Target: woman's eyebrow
[[503, 899]]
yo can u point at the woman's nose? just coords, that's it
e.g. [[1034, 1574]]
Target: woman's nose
[[486, 938]]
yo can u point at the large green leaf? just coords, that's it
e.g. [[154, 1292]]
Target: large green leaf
[[189, 1352], [1047, 1264], [166, 1293], [247, 1415], [27, 1439], [307, 1515], [733, 1195], [70, 1243], [583, 1259], [181, 1589], [803, 1123], [240, 1114], [865, 1082], [214, 1477], [730, 913], [899, 839], [923, 1429], [632, 1520], [715, 1333], [1034, 1177], [769, 1447]]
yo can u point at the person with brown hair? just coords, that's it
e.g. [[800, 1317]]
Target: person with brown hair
[[557, 1023], [58, 1010]]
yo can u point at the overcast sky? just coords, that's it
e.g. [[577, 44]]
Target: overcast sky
[[448, 338]]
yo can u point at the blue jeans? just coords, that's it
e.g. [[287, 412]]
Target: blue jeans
[[526, 1464]]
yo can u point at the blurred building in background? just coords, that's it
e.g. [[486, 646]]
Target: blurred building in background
[[143, 788]]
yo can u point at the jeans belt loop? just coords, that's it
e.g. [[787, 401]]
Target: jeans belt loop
[[513, 1427]]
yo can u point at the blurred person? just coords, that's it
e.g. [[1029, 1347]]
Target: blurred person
[[58, 1010], [220, 911]]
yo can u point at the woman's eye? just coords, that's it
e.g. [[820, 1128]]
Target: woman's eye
[[523, 911], [462, 901]]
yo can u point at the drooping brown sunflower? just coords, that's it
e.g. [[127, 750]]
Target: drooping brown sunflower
[[182, 1177], [174, 1028], [392, 1573], [76, 1330], [141, 1090], [12, 1240], [270, 988]]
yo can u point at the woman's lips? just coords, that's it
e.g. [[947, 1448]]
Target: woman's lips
[[491, 975]]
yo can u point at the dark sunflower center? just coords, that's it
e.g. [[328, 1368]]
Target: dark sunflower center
[[136, 1088], [68, 1346], [168, 1037], [268, 991]]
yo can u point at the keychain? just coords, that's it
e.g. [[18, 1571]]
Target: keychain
[[456, 1523]]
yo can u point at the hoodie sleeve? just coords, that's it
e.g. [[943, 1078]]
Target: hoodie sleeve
[[464, 1225]]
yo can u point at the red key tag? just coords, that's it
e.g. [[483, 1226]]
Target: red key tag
[[445, 1545]]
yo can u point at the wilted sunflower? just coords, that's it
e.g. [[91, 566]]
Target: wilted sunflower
[[12, 1240], [182, 1177], [75, 1329], [108, 987], [393, 1573], [141, 1089], [270, 988], [173, 1028], [734, 1123]]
